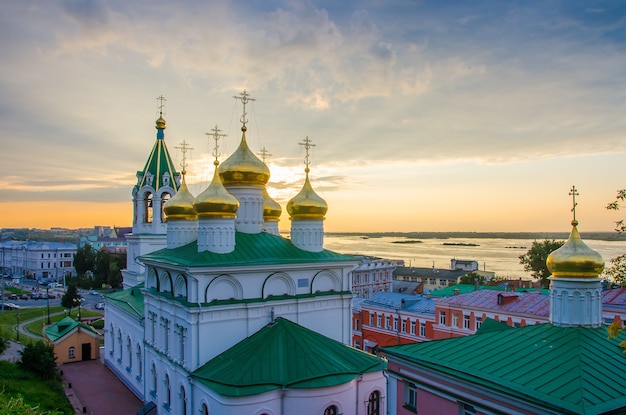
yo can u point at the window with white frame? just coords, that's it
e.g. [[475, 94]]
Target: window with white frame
[[413, 324], [380, 321], [455, 320], [403, 326], [410, 396], [443, 283], [442, 318], [466, 322], [71, 352], [423, 329], [479, 321], [372, 320], [395, 323], [331, 410]]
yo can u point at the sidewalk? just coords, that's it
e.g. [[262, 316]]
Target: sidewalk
[[93, 389]]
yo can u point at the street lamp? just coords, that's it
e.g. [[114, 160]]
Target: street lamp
[[48, 301]]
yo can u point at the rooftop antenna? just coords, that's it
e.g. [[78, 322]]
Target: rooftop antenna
[[307, 143], [161, 105], [216, 135], [245, 98], [573, 193], [184, 148]]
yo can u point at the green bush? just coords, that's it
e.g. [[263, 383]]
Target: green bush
[[38, 358]]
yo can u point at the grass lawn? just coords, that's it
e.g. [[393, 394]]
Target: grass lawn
[[46, 395], [37, 326], [8, 319]]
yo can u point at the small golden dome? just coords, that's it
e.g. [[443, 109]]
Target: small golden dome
[[575, 259], [271, 208], [243, 167], [216, 201], [307, 204], [160, 123], [180, 206]]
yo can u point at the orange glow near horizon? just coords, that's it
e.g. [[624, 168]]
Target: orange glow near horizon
[[72, 215]]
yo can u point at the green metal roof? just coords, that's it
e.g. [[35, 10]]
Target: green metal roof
[[573, 370], [284, 354], [250, 249], [130, 299], [63, 327], [157, 164], [466, 288]]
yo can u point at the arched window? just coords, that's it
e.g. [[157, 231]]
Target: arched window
[[129, 347], [71, 353], [168, 395], [373, 404], [112, 333], [331, 410], [119, 340], [183, 401], [147, 200], [164, 198], [205, 410], [154, 381], [139, 362]]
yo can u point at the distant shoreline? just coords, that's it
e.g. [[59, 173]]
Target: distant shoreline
[[599, 236]]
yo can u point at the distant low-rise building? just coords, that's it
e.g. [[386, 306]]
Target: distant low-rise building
[[373, 275], [49, 261]]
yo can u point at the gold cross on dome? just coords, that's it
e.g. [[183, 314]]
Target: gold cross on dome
[[244, 97], [264, 154], [215, 133], [307, 143], [161, 105], [573, 193], [184, 148]]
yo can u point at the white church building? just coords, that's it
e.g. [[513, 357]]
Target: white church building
[[222, 315]]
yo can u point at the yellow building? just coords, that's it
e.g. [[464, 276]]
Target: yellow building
[[73, 341]]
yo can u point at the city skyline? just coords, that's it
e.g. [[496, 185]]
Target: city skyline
[[425, 117]]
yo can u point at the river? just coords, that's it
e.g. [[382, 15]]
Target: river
[[493, 254]]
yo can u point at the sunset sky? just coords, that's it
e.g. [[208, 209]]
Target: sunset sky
[[426, 115]]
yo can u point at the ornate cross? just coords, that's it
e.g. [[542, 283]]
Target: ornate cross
[[573, 193], [184, 148], [161, 106], [245, 98], [215, 133], [307, 143]]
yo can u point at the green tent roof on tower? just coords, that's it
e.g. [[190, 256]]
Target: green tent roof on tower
[[572, 370], [159, 163], [284, 355]]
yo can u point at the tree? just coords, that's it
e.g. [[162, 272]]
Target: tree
[[39, 358], [84, 260], [620, 226], [535, 260], [103, 263], [617, 270], [71, 298], [469, 278]]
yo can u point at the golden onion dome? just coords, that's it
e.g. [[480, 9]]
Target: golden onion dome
[[216, 201], [243, 167], [160, 123], [307, 204], [180, 206], [271, 208], [575, 259]]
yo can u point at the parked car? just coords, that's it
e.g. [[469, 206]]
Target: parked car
[[100, 306], [11, 306], [93, 292], [51, 296], [35, 296], [13, 297], [24, 297]]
